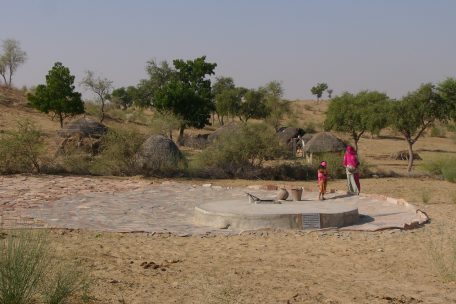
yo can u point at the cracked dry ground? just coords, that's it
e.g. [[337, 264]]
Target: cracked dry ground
[[262, 267]]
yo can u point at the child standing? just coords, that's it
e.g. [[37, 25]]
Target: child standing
[[322, 180]]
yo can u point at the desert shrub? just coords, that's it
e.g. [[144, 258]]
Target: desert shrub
[[91, 109], [73, 161], [449, 172], [22, 265], [21, 150], [64, 283], [442, 167], [438, 132], [425, 196], [118, 153], [165, 122], [26, 269], [310, 127], [244, 147], [451, 127], [442, 252], [295, 171]]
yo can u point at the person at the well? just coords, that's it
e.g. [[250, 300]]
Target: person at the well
[[351, 164]]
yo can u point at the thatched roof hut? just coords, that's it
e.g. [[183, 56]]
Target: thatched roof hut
[[220, 131], [286, 134], [159, 154], [404, 155], [83, 127], [324, 142]]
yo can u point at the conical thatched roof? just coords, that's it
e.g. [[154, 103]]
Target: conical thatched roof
[[84, 127], [159, 153], [307, 137], [222, 130], [286, 134], [324, 142]]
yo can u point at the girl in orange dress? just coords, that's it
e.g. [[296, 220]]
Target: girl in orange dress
[[322, 180]]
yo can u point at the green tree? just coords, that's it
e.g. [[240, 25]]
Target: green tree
[[159, 75], [253, 106], [11, 58], [319, 89], [188, 93], [227, 98], [101, 87], [58, 95], [418, 111], [356, 114], [277, 108], [447, 90], [124, 97]]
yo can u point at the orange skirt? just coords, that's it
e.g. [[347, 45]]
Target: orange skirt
[[322, 186]]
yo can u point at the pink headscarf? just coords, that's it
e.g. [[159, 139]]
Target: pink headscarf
[[350, 158]]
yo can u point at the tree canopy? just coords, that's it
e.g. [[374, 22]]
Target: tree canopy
[[10, 59], [253, 106], [356, 114], [58, 95], [319, 89], [124, 97], [419, 110], [277, 108], [159, 75], [101, 87], [187, 94], [227, 98]]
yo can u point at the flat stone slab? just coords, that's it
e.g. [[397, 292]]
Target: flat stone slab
[[167, 207], [243, 215]]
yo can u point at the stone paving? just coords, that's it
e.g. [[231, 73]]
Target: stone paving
[[129, 205]]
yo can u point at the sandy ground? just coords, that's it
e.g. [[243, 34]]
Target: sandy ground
[[265, 266]]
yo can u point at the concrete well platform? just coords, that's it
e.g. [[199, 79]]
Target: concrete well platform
[[240, 214]]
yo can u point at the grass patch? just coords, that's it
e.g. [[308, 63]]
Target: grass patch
[[425, 196], [444, 167], [442, 252], [438, 132], [27, 274]]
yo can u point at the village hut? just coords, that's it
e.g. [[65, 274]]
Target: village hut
[[324, 142], [159, 154], [83, 127], [285, 135], [404, 155], [83, 135]]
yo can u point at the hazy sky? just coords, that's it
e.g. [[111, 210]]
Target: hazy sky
[[390, 45]]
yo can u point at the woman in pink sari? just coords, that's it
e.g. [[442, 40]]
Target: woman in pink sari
[[351, 165]]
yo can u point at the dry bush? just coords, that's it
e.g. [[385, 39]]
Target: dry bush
[[21, 151], [118, 153], [240, 150]]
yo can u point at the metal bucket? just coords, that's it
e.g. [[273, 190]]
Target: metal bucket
[[296, 194]]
